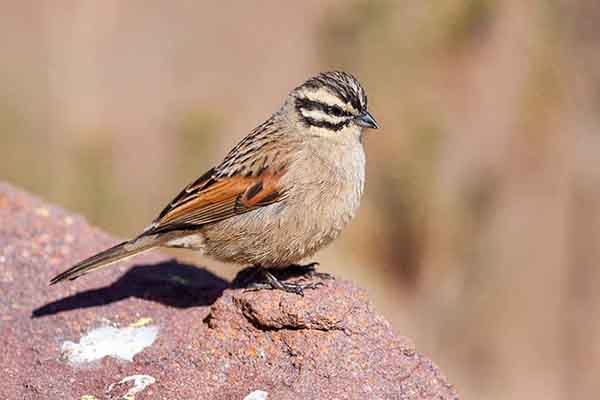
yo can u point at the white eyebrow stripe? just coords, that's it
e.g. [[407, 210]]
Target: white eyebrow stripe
[[319, 115], [326, 97]]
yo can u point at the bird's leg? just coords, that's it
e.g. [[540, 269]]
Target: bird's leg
[[312, 271], [271, 282], [297, 288], [308, 271], [247, 277]]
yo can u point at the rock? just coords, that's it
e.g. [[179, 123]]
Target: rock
[[188, 334]]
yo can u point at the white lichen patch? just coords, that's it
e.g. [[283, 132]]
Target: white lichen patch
[[140, 382], [257, 395], [121, 343]]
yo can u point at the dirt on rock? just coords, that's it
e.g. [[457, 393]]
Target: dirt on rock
[[153, 328]]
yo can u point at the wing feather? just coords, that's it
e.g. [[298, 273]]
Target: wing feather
[[212, 199]]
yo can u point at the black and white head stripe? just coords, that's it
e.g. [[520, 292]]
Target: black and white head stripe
[[330, 100], [345, 86]]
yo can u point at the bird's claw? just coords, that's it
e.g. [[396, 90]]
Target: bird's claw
[[271, 283]]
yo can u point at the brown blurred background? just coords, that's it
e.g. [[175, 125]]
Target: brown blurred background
[[479, 233]]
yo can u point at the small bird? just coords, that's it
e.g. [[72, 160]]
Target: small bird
[[282, 193]]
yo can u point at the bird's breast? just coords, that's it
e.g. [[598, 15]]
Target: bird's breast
[[323, 193]]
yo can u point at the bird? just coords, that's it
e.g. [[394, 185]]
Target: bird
[[285, 191]]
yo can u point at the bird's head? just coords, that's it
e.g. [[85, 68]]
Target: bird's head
[[330, 104]]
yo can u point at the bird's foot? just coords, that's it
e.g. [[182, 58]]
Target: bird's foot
[[271, 283], [310, 271], [257, 278]]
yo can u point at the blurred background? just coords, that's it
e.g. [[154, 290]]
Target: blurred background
[[479, 233]]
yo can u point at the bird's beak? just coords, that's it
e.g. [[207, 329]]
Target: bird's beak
[[366, 120]]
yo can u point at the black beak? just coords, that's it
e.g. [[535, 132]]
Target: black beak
[[366, 120]]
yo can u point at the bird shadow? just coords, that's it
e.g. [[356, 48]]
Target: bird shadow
[[169, 283]]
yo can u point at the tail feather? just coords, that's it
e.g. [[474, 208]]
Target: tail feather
[[107, 257]]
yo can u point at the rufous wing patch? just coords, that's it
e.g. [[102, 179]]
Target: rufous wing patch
[[222, 199], [266, 190]]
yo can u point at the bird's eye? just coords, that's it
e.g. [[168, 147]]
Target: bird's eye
[[336, 111]]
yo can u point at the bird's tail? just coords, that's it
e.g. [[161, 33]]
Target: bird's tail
[[108, 257]]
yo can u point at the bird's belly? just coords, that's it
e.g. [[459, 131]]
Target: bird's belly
[[274, 236]]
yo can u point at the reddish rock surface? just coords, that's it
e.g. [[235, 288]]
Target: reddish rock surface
[[212, 342]]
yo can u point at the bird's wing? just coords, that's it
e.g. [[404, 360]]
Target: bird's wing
[[212, 198]]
